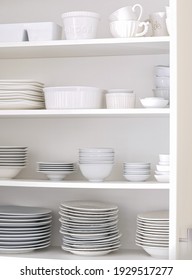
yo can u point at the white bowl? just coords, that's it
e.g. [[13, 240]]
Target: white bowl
[[9, 172], [137, 178], [157, 252], [162, 82], [128, 28], [162, 92], [162, 167], [96, 172], [136, 172], [154, 102], [162, 71], [79, 25], [164, 157], [43, 31], [120, 100], [73, 97], [162, 178]]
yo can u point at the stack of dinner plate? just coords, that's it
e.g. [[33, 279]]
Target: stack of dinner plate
[[56, 171], [24, 228], [153, 233], [12, 160], [136, 171], [89, 227], [21, 94]]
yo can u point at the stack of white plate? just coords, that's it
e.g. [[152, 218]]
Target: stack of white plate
[[21, 94], [56, 171], [162, 169], [12, 160], [89, 227], [153, 233], [96, 163], [136, 171], [24, 228]]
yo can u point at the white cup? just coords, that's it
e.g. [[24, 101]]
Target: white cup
[[158, 22], [128, 28], [127, 13]]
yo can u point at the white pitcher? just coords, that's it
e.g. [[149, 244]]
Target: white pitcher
[[127, 13]]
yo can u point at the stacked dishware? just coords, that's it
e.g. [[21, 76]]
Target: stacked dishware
[[120, 99], [152, 233], [125, 22], [56, 171], [73, 97], [24, 228], [136, 171], [162, 82], [21, 94], [162, 169], [89, 227], [96, 163], [12, 160]]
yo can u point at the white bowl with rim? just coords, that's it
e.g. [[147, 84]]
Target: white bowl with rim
[[157, 252], [162, 178], [136, 178], [154, 102], [96, 172], [9, 172]]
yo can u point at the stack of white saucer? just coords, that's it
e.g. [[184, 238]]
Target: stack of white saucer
[[162, 169], [136, 171]]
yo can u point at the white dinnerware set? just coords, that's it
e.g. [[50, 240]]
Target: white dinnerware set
[[96, 164], [73, 97], [136, 171], [152, 233], [162, 169], [21, 94], [120, 99], [162, 82], [12, 160], [89, 228], [56, 171], [24, 229]]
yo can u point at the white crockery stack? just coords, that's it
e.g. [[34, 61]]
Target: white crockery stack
[[96, 164], [136, 171], [162, 81], [162, 169]]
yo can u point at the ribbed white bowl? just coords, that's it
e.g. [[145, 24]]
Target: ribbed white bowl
[[120, 100], [73, 97]]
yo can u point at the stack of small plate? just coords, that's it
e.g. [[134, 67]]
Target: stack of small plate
[[162, 172], [24, 228], [56, 171], [89, 227], [12, 160], [153, 233], [136, 171], [21, 94]]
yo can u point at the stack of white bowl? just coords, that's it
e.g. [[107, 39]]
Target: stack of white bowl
[[120, 99], [125, 22], [21, 94], [73, 97], [96, 163], [153, 233], [162, 82], [136, 171], [89, 228], [162, 169], [56, 171], [12, 160]]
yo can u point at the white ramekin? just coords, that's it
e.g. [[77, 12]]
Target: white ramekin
[[120, 100]]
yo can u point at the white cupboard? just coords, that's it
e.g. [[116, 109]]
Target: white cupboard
[[136, 135]]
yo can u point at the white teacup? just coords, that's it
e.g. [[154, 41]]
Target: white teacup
[[127, 13], [128, 28], [158, 22]]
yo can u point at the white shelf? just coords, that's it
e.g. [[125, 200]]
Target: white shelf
[[135, 112], [58, 253], [86, 48], [153, 185]]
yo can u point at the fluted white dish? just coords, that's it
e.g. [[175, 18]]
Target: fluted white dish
[[120, 100]]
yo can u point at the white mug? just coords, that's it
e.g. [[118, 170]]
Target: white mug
[[127, 13], [158, 22]]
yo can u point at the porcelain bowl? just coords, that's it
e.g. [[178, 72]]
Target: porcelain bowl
[[96, 172], [9, 172], [120, 100], [157, 252], [154, 102]]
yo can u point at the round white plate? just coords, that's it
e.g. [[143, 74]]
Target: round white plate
[[154, 215], [23, 210], [94, 206], [22, 250], [153, 244]]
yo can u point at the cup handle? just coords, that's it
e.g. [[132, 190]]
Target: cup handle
[[145, 28], [140, 8]]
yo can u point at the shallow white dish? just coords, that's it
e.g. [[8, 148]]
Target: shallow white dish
[[154, 102], [136, 178], [162, 178]]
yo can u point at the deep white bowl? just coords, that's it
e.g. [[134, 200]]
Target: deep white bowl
[[154, 102], [9, 172], [96, 172], [137, 178], [73, 97], [120, 100], [80, 25], [162, 71]]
